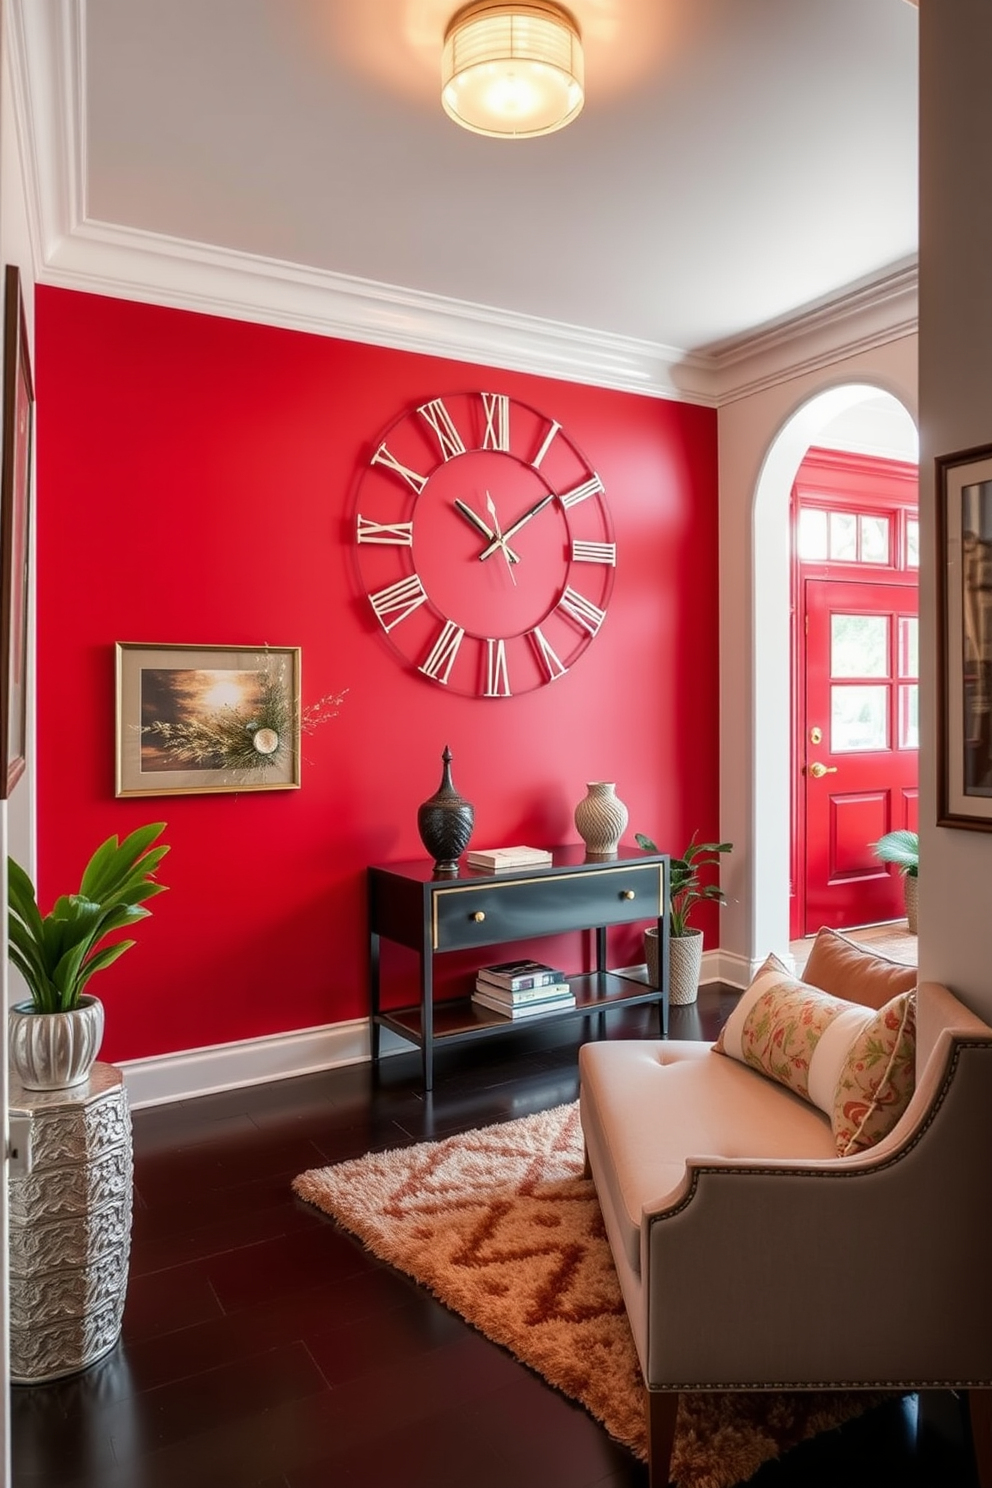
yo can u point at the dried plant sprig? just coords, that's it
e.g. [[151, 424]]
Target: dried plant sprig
[[244, 741], [322, 711]]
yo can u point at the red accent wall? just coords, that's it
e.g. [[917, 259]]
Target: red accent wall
[[196, 484]]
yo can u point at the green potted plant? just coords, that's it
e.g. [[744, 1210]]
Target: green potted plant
[[903, 848], [55, 1035], [685, 890]]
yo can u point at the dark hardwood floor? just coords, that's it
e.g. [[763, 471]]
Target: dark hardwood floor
[[264, 1348]]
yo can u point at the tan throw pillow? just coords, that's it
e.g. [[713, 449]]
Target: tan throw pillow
[[855, 1064], [878, 1077], [852, 971]]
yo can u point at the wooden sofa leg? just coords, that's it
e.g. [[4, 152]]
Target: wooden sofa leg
[[662, 1407], [980, 1411]]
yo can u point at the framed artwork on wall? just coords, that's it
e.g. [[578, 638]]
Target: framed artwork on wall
[[15, 514], [964, 646], [207, 718]]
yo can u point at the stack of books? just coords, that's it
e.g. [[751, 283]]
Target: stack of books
[[493, 858], [522, 989]]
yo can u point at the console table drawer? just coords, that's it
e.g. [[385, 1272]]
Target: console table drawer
[[518, 909]]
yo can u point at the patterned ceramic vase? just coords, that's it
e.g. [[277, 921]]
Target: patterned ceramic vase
[[445, 822], [601, 819]]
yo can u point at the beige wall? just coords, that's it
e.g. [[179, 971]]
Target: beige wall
[[956, 413]]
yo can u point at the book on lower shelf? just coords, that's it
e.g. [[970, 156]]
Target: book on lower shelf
[[490, 998], [509, 857], [519, 976], [522, 994]]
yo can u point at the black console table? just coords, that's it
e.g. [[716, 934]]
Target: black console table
[[430, 914]]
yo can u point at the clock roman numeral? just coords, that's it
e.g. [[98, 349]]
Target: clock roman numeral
[[594, 552], [497, 435], [445, 649], [398, 600], [553, 666], [497, 677], [536, 462], [382, 456], [439, 419], [581, 610], [397, 534], [579, 493]]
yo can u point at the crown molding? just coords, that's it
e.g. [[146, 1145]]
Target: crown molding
[[73, 251]]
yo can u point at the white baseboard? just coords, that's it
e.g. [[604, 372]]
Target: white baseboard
[[193, 1072], [280, 1056]]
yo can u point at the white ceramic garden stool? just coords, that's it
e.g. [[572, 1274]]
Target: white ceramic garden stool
[[70, 1226]]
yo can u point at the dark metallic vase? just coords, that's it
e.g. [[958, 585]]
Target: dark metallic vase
[[445, 822]]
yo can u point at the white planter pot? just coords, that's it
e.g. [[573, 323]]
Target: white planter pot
[[54, 1051], [685, 960]]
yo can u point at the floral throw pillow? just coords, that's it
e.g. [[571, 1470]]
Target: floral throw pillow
[[783, 1029], [853, 1063], [878, 1077]]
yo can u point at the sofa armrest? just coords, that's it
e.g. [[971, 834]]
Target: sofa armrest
[[869, 1270]]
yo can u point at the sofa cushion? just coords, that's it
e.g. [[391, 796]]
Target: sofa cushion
[[648, 1105], [855, 972], [855, 1064]]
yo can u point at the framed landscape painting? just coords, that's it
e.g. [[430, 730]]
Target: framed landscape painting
[[964, 646], [15, 513], [207, 718]]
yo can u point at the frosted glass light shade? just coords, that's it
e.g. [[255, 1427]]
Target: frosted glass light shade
[[512, 70]]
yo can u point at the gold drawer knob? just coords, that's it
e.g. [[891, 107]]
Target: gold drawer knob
[[627, 894], [479, 916]]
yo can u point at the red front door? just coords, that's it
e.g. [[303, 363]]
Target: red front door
[[859, 743]]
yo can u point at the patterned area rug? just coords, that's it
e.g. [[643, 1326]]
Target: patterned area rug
[[501, 1226]]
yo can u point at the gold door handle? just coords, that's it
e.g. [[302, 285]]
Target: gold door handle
[[627, 894], [479, 916], [818, 771]]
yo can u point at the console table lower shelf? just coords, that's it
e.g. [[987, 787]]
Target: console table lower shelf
[[460, 1019]]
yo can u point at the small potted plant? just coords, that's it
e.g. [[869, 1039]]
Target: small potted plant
[[55, 1036], [903, 848], [686, 890]]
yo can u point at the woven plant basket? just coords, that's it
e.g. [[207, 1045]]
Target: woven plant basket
[[912, 895], [685, 959]]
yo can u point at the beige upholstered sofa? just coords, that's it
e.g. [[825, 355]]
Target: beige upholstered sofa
[[753, 1257]]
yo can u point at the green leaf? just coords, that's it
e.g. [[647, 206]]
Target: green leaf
[[57, 953]]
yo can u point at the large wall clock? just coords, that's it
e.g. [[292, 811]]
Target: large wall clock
[[484, 544]]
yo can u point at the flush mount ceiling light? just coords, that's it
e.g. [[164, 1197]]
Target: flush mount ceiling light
[[512, 70]]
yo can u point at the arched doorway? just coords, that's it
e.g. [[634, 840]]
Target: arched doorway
[[827, 416]]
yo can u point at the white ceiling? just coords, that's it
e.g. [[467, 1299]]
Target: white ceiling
[[737, 162]]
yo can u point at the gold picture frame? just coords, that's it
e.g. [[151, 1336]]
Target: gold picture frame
[[194, 718], [15, 526]]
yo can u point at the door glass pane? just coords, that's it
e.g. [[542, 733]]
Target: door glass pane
[[844, 536], [858, 718], [909, 646], [912, 543], [874, 539], [909, 716], [859, 645], [812, 535]]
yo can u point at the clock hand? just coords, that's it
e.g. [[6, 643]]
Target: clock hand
[[491, 507], [482, 527], [538, 506]]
